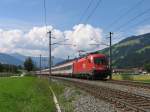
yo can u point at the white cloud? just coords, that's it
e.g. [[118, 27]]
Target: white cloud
[[35, 41], [81, 36], [143, 30]]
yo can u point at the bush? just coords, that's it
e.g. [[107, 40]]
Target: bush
[[147, 67]]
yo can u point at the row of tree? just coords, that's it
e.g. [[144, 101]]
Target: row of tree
[[9, 68]]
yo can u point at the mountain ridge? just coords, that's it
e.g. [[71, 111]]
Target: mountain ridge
[[18, 59], [133, 51]]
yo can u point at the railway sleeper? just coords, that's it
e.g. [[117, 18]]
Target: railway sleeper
[[139, 102], [110, 96]]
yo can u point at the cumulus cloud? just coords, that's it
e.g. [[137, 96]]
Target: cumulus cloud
[[80, 37], [143, 30], [35, 41]]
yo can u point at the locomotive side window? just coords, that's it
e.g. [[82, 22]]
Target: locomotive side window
[[100, 61]]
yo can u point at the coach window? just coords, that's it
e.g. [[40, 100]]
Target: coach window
[[69, 67]]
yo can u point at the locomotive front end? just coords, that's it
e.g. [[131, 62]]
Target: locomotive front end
[[100, 68]]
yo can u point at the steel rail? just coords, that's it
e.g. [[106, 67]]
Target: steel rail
[[123, 100]]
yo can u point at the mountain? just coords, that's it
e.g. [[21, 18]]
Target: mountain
[[133, 51], [18, 56], [18, 59], [8, 59]]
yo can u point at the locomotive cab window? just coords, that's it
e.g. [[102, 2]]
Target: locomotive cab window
[[100, 61]]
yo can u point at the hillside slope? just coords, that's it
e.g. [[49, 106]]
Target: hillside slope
[[131, 52], [7, 59]]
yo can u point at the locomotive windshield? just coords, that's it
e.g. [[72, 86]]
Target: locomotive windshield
[[100, 61]]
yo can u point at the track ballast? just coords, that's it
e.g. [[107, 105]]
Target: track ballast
[[125, 101]]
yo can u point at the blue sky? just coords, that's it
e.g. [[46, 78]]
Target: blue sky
[[64, 14], [23, 20]]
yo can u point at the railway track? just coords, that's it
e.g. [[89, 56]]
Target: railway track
[[130, 83], [124, 101]]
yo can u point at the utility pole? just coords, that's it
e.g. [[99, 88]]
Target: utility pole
[[49, 53], [110, 54], [40, 64], [9, 69]]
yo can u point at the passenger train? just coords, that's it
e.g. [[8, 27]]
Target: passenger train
[[91, 66]]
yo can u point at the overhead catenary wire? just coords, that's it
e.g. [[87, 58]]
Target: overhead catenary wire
[[100, 44], [65, 44], [59, 42], [85, 11], [91, 14], [93, 11], [144, 20], [132, 19], [124, 14]]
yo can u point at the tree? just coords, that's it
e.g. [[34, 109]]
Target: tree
[[1, 68], [28, 64], [147, 67]]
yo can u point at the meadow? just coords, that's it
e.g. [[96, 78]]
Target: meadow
[[25, 94]]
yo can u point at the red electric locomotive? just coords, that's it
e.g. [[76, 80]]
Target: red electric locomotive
[[91, 66]]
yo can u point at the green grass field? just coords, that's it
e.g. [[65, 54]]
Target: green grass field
[[25, 94], [140, 78]]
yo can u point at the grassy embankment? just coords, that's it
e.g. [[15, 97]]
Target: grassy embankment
[[141, 78], [25, 94], [65, 97]]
